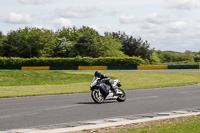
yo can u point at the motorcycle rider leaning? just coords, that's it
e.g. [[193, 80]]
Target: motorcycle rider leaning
[[105, 79]]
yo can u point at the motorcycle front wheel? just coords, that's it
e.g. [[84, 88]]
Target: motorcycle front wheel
[[122, 97], [97, 96]]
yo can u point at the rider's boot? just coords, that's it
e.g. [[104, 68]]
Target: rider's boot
[[116, 91], [112, 89]]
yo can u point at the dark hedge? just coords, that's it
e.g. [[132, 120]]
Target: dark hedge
[[79, 61]]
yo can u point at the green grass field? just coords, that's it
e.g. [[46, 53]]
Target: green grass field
[[191, 125], [14, 83]]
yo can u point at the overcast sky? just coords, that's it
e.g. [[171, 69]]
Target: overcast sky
[[165, 24]]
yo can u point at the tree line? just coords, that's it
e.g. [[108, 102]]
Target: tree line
[[71, 42], [172, 56], [84, 42]]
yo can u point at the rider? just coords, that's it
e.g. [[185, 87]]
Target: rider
[[105, 79]]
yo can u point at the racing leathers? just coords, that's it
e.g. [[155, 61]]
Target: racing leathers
[[107, 84]]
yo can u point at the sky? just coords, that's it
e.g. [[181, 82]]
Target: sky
[[166, 24]]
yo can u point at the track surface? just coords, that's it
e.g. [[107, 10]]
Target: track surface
[[48, 110]]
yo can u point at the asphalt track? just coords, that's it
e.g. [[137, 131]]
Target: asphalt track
[[27, 112]]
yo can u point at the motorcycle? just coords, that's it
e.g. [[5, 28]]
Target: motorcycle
[[98, 95]]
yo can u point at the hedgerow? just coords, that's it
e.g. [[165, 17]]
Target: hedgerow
[[78, 61]]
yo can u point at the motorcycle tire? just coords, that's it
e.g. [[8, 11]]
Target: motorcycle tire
[[122, 97], [95, 96]]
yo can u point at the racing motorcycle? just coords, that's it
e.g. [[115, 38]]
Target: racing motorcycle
[[98, 94]]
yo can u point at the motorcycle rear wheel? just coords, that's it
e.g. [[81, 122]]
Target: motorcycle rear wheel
[[96, 97], [122, 97]]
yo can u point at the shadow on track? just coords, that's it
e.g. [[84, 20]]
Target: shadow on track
[[105, 102], [85, 103]]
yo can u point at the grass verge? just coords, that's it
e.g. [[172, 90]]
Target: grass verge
[[181, 125], [189, 124], [14, 83]]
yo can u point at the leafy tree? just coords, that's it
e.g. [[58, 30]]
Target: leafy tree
[[71, 42], [91, 44], [171, 56], [11, 46], [63, 48], [132, 46], [144, 49], [154, 58], [30, 42], [2, 38], [197, 56], [48, 42], [111, 47], [88, 42], [71, 34]]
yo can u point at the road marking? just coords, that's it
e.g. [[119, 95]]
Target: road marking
[[149, 97]]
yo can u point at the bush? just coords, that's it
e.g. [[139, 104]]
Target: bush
[[78, 61], [10, 62], [118, 61]]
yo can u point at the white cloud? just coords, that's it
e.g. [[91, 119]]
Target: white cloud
[[24, 1], [70, 14], [38, 26], [98, 29], [174, 35], [177, 27], [178, 24], [35, 2], [15, 18], [182, 4], [113, 12], [62, 22], [129, 19], [164, 24], [153, 20], [77, 11], [156, 18], [159, 31]]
